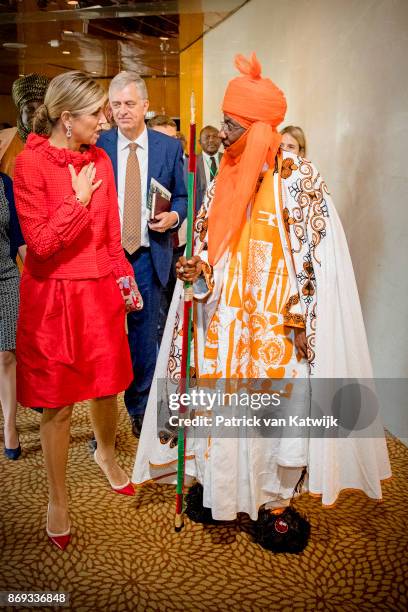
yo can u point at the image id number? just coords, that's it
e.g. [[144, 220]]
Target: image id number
[[33, 598]]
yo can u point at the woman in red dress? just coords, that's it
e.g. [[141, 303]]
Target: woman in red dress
[[71, 341]]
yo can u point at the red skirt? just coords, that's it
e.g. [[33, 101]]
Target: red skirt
[[71, 342]]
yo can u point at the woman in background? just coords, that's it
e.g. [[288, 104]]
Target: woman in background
[[71, 341], [28, 93], [293, 140], [11, 242]]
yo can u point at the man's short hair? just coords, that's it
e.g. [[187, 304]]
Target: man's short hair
[[125, 78], [163, 120], [209, 127]]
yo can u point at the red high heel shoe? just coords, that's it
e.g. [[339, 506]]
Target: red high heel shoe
[[126, 489], [61, 540]]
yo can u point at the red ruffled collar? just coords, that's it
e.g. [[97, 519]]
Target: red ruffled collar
[[61, 157]]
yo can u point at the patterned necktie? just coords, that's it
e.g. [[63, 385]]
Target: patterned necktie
[[132, 210], [213, 168]]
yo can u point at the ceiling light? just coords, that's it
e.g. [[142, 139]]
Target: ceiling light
[[67, 31], [164, 38], [14, 45], [94, 72], [72, 2], [67, 52]]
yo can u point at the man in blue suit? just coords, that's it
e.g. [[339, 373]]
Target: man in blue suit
[[139, 154]]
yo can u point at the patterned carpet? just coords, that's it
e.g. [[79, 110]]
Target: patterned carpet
[[125, 554]]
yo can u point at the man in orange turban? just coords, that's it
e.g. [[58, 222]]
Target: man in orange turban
[[276, 304], [253, 108]]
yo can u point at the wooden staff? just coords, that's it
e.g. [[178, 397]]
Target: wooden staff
[[187, 321]]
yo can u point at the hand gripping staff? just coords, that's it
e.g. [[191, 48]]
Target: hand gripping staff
[[187, 320]]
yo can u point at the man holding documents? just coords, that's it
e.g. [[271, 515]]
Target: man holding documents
[[148, 169]]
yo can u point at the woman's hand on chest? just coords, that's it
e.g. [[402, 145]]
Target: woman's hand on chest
[[83, 182]]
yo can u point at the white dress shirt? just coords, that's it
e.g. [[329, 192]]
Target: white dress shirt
[[207, 165], [142, 153]]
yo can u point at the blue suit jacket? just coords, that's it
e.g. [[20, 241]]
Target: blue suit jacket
[[165, 164]]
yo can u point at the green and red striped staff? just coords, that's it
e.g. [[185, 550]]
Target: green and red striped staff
[[187, 318]]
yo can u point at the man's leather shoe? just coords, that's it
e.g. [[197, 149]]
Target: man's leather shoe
[[137, 422]]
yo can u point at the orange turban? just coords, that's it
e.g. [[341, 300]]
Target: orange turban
[[258, 105]]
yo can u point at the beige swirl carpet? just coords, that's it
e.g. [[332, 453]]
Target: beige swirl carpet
[[125, 554]]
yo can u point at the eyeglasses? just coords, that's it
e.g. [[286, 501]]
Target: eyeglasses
[[229, 126]]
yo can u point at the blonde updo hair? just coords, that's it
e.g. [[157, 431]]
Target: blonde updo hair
[[74, 92], [298, 134]]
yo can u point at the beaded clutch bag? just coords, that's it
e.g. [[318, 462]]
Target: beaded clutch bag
[[130, 293]]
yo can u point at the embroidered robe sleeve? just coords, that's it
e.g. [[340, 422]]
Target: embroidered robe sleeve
[[306, 206], [204, 285]]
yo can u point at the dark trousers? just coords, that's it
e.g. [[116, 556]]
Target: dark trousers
[[142, 334], [166, 293]]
